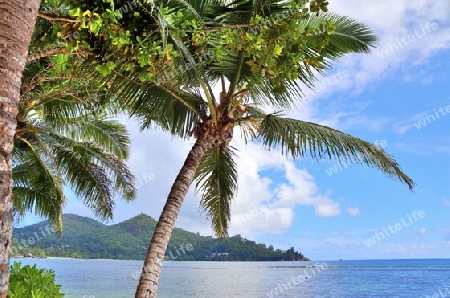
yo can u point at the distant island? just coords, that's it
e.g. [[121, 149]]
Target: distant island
[[86, 238]]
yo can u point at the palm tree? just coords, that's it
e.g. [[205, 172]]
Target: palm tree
[[264, 57], [59, 128], [64, 135], [264, 51], [17, 19]]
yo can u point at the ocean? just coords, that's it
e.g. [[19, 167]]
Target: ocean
[[365, 278]]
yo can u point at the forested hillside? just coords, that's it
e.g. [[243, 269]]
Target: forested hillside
[[84, 237]]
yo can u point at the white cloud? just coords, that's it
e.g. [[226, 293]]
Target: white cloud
[[445, 202], [327, 209], [403, 126], [354, 211], [262, 207]]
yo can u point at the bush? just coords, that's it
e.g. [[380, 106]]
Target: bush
[[31, 282]]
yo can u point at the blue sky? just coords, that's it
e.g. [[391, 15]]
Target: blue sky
[[298, 203]]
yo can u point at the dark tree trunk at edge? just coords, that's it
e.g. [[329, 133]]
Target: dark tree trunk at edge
[[17, 20]]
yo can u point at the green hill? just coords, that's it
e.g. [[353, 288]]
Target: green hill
[[84, 237]]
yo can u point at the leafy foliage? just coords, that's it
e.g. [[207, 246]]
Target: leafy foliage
[[29, 281], [161, 59], [66, 137]]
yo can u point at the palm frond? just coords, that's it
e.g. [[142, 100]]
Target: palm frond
[[96, 176], [300, 139], [164, 105], [109, 133], [37, 187], [216, 179], [40, 201], [350, 36], [171, 109]]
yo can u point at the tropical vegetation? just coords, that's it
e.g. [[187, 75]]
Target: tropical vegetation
[[161, 61], [63, 137], [261, 61], [65, 134], [29, 281]]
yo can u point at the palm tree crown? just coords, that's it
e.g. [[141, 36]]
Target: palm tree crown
[[65, 138], [263, 55]]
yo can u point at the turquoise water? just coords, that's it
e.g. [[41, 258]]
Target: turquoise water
[[368, 278]]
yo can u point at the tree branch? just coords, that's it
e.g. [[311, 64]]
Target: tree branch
[[53, 18], [41, 54], [57, 50]]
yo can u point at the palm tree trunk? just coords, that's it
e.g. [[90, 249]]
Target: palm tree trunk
[[17, 19], [148, 283]]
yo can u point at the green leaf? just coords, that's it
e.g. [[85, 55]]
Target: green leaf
[[28, 281], [76, 12], [277, 49], [124, 40], [87, 13], [103, 69], [145, 76]]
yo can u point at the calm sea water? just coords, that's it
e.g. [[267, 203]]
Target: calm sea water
[[368, 278]]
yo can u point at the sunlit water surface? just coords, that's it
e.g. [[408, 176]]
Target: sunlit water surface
[[368, 278]]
